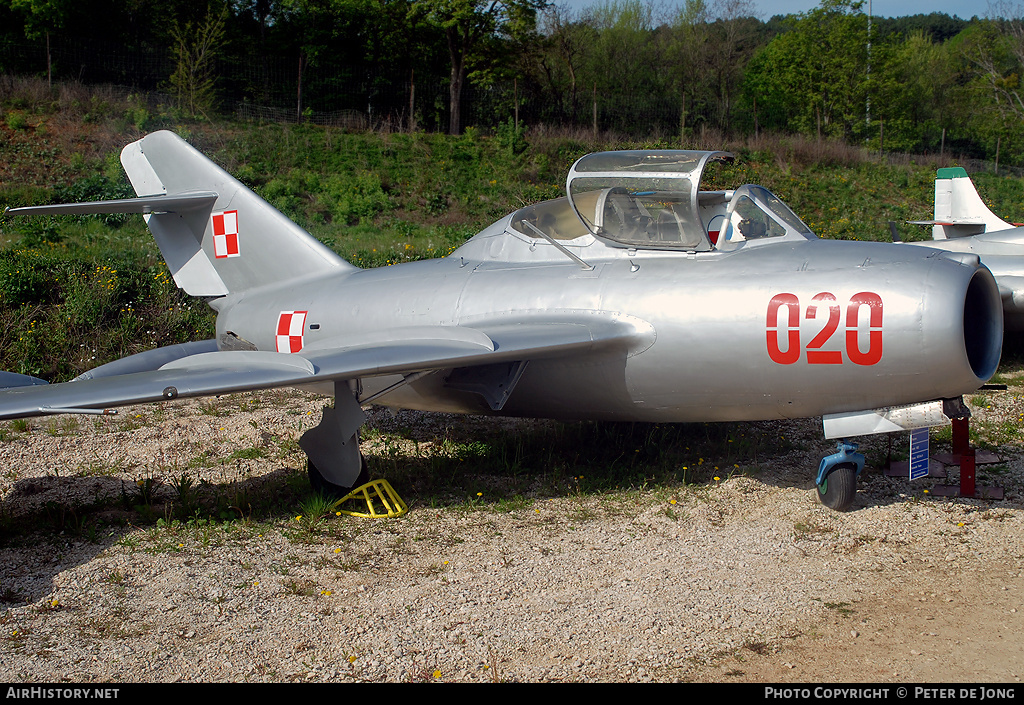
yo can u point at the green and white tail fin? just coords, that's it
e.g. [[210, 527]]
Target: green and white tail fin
[[959, 210], [216, 235]]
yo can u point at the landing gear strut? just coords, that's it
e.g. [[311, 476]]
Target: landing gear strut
[[335, 463]]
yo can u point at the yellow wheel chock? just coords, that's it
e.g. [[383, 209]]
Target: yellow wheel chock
[[377, 491]]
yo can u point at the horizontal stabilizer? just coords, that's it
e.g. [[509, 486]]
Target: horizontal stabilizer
[[178, 203], [948, 221]]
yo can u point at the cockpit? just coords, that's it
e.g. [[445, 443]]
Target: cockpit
[[652, 200]]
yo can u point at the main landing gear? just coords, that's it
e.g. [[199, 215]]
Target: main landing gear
[[335, 464], [329, 489]]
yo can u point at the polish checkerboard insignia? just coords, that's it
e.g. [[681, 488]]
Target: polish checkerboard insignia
[[225, 234], [289, 331]]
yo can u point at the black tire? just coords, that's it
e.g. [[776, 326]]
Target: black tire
[[320, 484], [839, 487]]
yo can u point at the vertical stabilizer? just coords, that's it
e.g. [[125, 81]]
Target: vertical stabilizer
[[959, 210], [236, 243]]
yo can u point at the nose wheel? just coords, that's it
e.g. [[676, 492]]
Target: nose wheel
[[839, 487], [837, 477]]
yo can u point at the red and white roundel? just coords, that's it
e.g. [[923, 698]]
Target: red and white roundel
[[225, 234], [289, 331]]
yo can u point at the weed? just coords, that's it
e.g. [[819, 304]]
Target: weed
[[213, 408], [314, 511], [301, 588], [10, 595], [186, 495], [842, 608], [65, 518], [803, 529], [140, 494], [758, 647], [252, 453]]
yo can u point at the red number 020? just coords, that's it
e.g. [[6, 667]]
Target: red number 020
[[783, 339]]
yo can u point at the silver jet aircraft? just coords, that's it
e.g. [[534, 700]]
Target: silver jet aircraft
[[963, 223], [637, 296]]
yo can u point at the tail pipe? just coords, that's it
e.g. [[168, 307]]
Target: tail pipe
[[983, 324]]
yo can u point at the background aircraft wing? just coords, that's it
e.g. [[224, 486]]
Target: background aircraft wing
[[1011, 289], [223, 372]]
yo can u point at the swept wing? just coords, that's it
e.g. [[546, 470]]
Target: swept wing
[[408, 351]]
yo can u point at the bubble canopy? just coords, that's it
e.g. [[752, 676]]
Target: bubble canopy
[[643, 198], [652, 200]]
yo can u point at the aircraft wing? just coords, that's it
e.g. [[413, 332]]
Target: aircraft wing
[[222, 372]]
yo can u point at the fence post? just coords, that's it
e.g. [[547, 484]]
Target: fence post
[[412, 100], [682, 122], [515, 95]]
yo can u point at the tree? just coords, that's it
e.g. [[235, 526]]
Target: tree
[[470, 28], [196, 46], [999, 58], [813, 78], [912, 87], [690, 55], [562, 51], [712, 45], [42, 17], [314, 24], [994, 50]]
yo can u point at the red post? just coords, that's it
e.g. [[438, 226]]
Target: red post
[[961, 436], [967, 473]]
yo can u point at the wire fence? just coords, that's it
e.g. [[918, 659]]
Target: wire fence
[[268, 88], [362, 96]]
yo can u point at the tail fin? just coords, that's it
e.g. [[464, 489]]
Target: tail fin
[[216, 235], [234, 242], [959, 210]]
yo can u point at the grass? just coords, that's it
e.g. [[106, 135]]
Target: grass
[[375, 198]]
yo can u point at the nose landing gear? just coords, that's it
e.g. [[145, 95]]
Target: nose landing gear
[[837, 476]]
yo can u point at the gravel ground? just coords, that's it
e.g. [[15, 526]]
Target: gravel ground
[[744, 579]]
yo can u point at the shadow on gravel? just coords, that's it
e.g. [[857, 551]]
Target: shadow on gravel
[[48, 524]]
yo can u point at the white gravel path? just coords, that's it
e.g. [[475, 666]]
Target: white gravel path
[[657, 584]]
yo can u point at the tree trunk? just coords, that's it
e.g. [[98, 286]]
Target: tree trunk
[[298, 100], [455, 98], [412, 100], [458, 48]]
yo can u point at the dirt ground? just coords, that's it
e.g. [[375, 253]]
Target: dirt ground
[[743, 580], [935, 625]]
